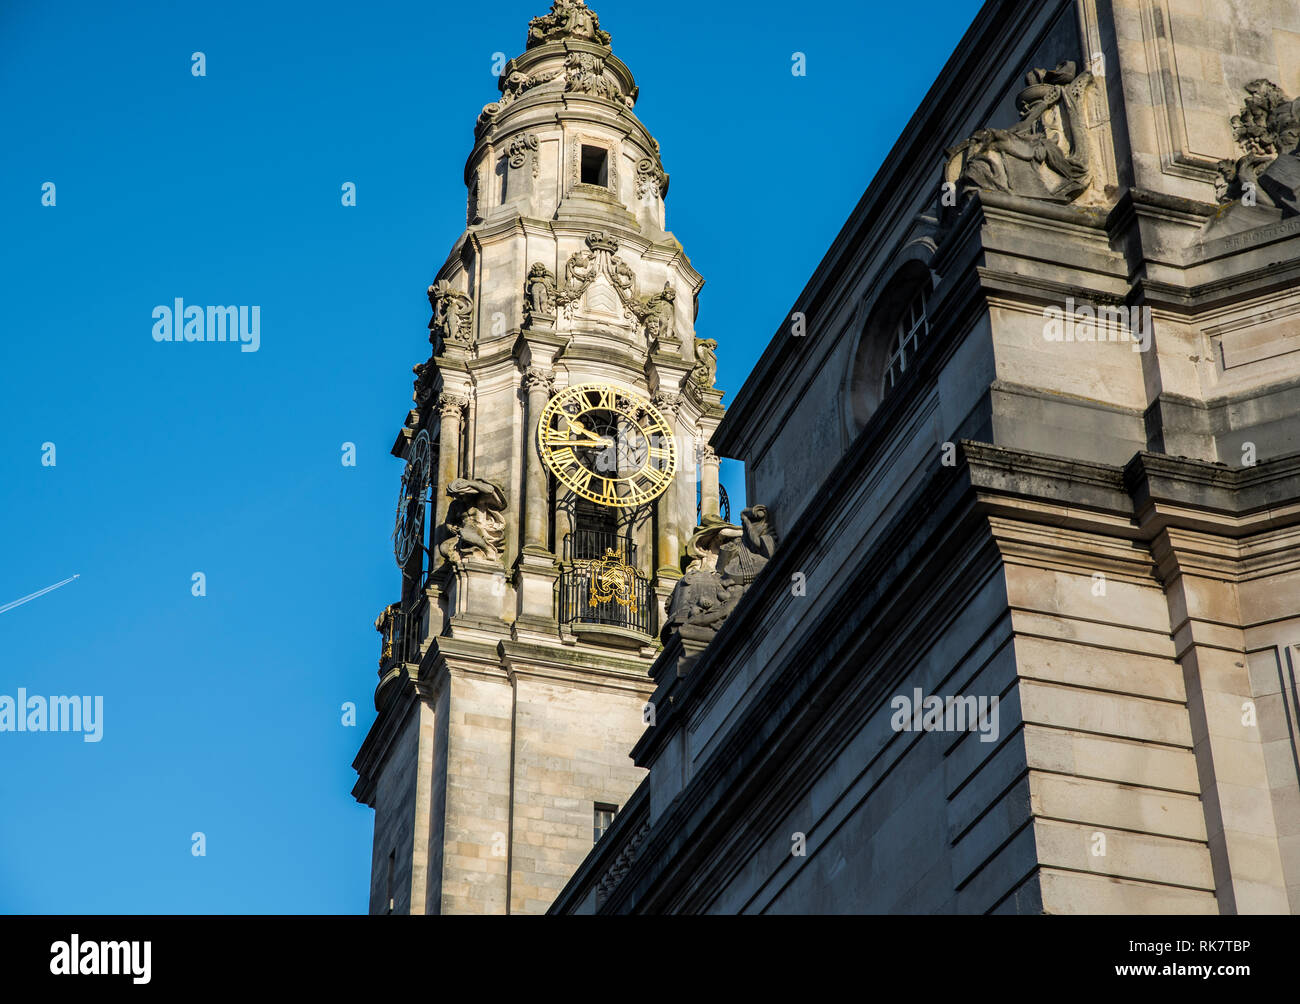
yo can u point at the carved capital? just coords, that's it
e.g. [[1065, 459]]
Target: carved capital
[[668, 403], [707, 455], [451, 405], [538, 378]]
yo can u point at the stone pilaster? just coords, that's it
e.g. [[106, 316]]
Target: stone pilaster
[[535, 570], [450, 409], [710, 503], [669, 517]]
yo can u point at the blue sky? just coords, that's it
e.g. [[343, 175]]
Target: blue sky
[[222, 712]]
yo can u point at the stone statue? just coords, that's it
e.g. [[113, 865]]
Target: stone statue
[[705, 372], [388, 624], [705, 596], [426, 377], [453, 315], [700, 588], [474, 526], [1263, 185], [540, 292], [567, 19], [1046, 155], [660, 314]]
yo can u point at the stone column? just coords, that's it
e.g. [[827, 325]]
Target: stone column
[[670, 534], [450, 407], [710, 505], [537, 385]]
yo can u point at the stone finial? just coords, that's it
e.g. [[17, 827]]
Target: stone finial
[[567, 19]]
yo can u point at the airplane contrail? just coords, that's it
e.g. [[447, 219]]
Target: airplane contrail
[[40, 592]]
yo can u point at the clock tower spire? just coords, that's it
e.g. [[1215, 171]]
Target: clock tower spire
[[555, 467]]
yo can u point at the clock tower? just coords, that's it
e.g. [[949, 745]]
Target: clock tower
[[556, 465]]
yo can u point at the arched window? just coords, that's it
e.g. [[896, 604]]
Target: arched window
[[891, 339], [912, 326]]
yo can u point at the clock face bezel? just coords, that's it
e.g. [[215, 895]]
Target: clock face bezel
[[567, 438], [408, 533]]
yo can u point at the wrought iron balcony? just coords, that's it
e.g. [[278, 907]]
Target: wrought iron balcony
[[601, 591]]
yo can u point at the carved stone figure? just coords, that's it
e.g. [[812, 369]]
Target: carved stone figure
[[453, 315], [660, 312], [1263, 185], [426, 376], [1045, 156], [567, 19], [474, 526], [388, 624], [700, 603], [706, 363], [700, 588], [540, 292]]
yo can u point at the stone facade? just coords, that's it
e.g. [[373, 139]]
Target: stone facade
[[1041, 443], [506, 705]]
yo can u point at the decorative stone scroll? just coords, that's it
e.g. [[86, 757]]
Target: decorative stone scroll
[[650, 179], [523, 148], [513, 86], [656, 313], [584, 73], [1047, 155]]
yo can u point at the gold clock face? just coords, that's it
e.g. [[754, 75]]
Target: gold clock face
[[607, 445]]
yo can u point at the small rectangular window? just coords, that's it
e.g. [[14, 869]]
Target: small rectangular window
[[602, 819], [392, 865], [595, 166]]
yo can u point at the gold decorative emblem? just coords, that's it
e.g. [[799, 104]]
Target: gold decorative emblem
[[607, 445], [611, 579]]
